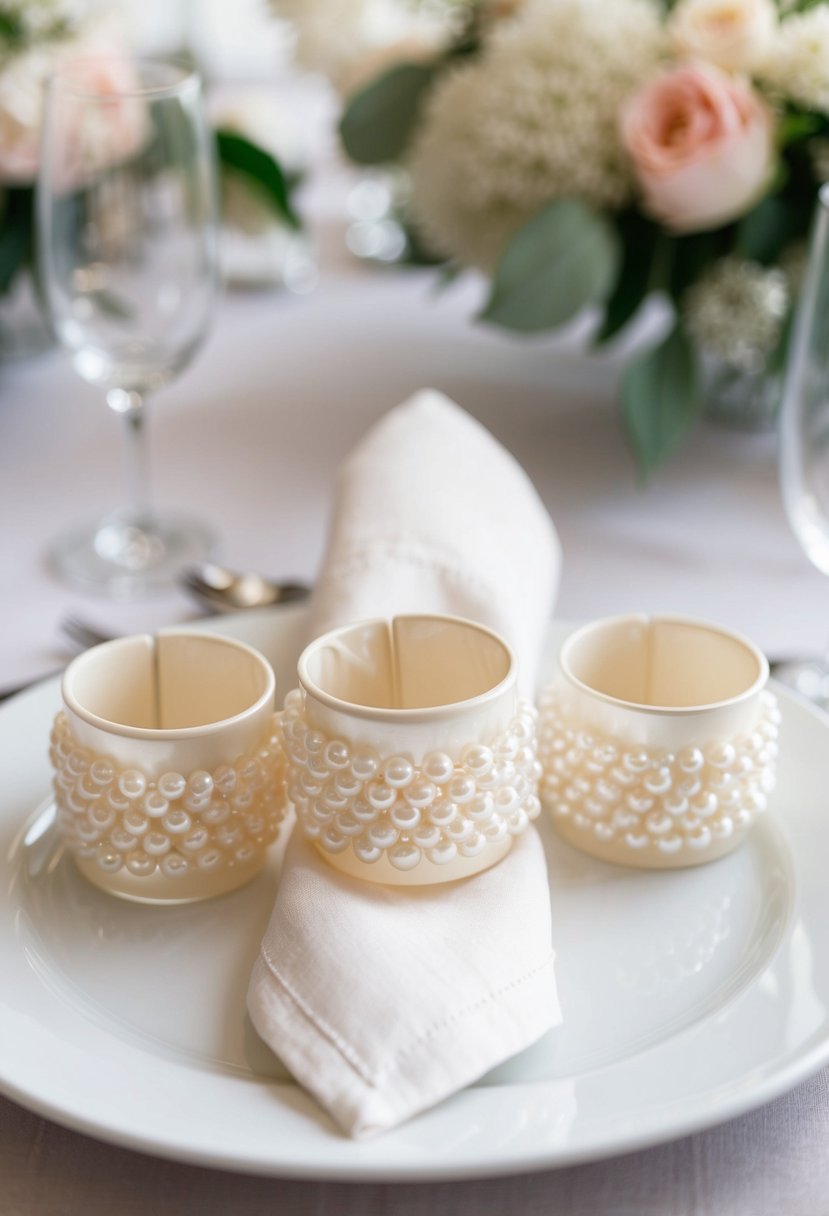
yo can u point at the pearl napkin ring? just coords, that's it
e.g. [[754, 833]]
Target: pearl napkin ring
[[410, 757]]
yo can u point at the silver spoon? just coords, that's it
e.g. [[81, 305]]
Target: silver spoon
[[222, 590]]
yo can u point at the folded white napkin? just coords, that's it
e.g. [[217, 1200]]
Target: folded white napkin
[[382, 1000]]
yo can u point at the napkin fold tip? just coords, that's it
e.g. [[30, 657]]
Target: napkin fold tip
[[365, 1105]]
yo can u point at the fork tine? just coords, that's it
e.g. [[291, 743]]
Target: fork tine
[[82, 633]]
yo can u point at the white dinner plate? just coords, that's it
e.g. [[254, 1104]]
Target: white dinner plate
[[688, 997]]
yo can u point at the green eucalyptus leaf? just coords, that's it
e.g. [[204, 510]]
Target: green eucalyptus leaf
[[379, 120], [797, 125], [564, 259], [640, 241], [691, 255], [16, 235], [762, 233], [660, 399], [241, 156], [776, 222]]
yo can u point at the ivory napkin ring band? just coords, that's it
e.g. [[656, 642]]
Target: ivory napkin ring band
[[658, 740], [441, 811], [410, 758], [177, 825], [169, 774]]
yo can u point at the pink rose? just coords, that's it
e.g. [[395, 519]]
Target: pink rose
[[101, 62], [702, 144]]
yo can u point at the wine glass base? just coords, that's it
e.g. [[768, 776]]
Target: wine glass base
[[123, 558]]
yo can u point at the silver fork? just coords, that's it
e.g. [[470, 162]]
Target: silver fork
[[82, 633]]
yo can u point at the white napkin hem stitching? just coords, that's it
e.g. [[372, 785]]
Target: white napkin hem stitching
[[451, 1018], [376, 1077]]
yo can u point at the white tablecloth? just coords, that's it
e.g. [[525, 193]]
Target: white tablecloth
[[249, 438]]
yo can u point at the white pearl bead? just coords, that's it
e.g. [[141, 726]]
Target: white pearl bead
[[517, 822], [363, 811], [109, 859], [366, 852], [383, 836], [380, 795], [473, 846], [659, 782], [174, 865], [141, 865], [443, 854], [348, 825], [209, 860], [459, 829], [333, 840], [478, 759], [102, 772], [132, 783], [438, 767], [405, 817], [135, 823], [101, 816], [217, 812], [691, 760], [224, 780], [171, 786], [200, 784], [347, 784], [398, 772], [442, 813], [122, 840], [177, 821], [365, 763], [721, 755], [495, 831], [461, 789], [337, 754], [481, 808], [405, 856], [506, 800], [636, 762], [421, 793], [155, 804], [156, 844], [427, 836], [196, 840]]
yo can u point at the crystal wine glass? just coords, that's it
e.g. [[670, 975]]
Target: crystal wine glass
[[804, 432], [128, 265]]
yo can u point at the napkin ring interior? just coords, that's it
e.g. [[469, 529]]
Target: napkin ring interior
[[411, 758]]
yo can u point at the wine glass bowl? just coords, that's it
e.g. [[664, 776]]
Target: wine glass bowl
[[128, 261], [804, 432]]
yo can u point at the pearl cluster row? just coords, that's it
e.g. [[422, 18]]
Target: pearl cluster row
[[434, 811], [175, 823], [643, 799]]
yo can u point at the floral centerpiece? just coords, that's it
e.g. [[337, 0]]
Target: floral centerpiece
[[36, 38], [586, 153]]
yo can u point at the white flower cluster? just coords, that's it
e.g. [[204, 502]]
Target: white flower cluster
[[535, 118], [736, 311], [798, 65], [349, 41], [31, 22]]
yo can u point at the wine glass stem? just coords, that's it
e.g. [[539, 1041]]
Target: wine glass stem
[[133, 408], [138, 462]]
